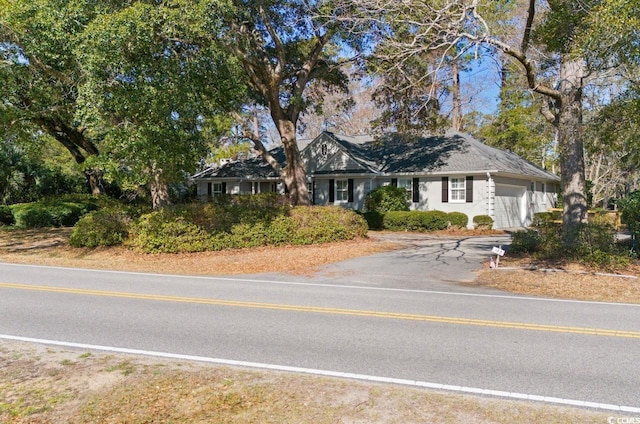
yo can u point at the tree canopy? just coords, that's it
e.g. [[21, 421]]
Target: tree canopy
[[152, 94], [39, 73]]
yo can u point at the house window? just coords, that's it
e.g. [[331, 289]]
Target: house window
[[457, 190], [323, 149], [367, 187], [217, 189], [342, 190], [310, 189], [407, 184], [532, 192]]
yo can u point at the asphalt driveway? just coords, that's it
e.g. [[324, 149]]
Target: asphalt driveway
[[426, 262]]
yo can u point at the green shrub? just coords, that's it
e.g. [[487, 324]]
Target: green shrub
[[483, 222], [375, 220], [630, 209], [281, 230], [324, 224], [458, 219], [51, 213], [542, 218], [174, 230], [434, 220], [33, 215], [226, 211], [385, 199], [105, 227], [415, 220], [594, 237], [168, 232], [246, 235], [6, 216], [395, 220], [526, 241]]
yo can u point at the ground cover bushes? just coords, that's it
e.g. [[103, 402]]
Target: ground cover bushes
[[105, 227], [231, 222], [239, 224], [63, 211], [596, 242]]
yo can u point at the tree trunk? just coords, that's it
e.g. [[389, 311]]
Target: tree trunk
[[294, 174], [571, 148], [159, 191], [456, 112], [94, 178]]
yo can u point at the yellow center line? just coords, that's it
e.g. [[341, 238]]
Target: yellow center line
[[335, 311]]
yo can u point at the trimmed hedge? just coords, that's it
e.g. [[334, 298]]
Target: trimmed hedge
[[542, 218], [458, 219], [415, 220], [483, 221]]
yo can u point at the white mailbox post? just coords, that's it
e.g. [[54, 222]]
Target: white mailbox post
[[499, 252]]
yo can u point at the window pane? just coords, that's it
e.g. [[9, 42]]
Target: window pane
[[342, 190], [457, 189]]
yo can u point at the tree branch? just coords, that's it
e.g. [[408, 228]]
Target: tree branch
[[255, 139], [526, 37]]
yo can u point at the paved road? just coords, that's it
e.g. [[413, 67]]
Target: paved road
[[395, 315]]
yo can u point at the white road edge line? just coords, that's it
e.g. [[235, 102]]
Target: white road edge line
[[339, 286], [325, 373]]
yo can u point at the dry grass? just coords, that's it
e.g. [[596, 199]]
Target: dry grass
[[563, 280], [42, 385], [50, 247]]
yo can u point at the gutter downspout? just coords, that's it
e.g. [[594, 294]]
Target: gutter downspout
[[491, 196]]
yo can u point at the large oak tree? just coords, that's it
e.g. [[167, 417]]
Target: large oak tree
[[283, 47], [153, 94]]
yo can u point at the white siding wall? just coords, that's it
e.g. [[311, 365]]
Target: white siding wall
[[514, 205]]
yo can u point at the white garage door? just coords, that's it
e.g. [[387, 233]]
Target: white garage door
[[509, 206]]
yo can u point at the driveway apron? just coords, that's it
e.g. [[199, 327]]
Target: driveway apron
[[424, 262]]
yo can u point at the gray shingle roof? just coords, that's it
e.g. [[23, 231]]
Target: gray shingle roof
[[400, 154], [250, 168], [452, 152]]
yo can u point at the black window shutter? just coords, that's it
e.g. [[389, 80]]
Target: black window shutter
[[313, 192], [415, 187], [445, 189], [332, 189], [224, 188], [350, 190], [209, 189], [469, 189], [394, 182]]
